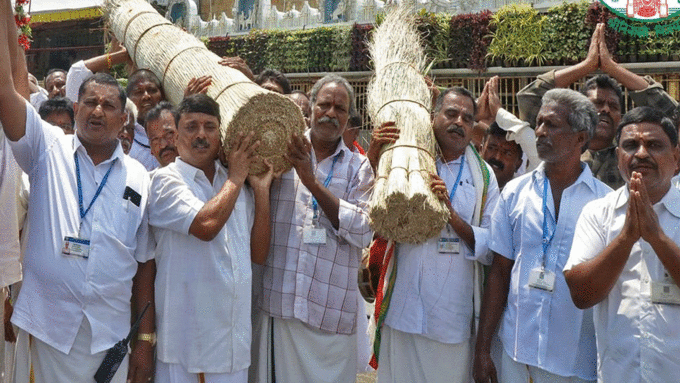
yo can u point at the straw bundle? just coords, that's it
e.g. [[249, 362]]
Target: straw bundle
[[403, 207], [176, 56]]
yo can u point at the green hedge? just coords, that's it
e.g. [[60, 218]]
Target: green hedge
[[515, 35]]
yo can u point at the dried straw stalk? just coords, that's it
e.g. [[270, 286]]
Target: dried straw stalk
[[176, 56], [403, 207]]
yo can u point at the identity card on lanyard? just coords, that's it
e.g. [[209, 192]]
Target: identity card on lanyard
[[316, 235], [449, 243], [539, 277], [78, 246]]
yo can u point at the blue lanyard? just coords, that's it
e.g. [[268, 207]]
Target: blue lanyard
[[329, 177], [460, 173], [547, 238], [83, 213]]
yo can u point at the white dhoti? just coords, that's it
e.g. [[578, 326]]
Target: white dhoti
[[411, 358], [175, 373], [302, 354], [53, 366], [515, 372]]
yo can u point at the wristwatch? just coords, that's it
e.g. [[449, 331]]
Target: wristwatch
[[151, 338]]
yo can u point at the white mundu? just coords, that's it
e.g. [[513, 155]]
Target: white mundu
[[59, 291], [203, 288]]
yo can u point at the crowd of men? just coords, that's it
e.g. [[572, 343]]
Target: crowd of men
[[131, 206]]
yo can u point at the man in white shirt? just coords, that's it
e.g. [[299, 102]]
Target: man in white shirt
[[161, 129], [202, 217], [545, 337], [625, 261], [87, 225], [427, 330], [144, 89], [320, 224]]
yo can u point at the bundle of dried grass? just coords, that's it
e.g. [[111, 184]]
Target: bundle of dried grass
[[403, 207], [176, 56]]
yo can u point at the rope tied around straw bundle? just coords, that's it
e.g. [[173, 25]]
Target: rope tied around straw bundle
[[134, 58], [404, 100], [403, 207], [409, 146], [232, 84], [165, 71], [175, 57], [407, 170], [124, 39]]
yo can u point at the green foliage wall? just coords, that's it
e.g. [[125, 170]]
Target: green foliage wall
[[516, 35]]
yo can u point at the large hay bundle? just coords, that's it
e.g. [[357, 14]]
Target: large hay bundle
[[176, 56], [403, 207]]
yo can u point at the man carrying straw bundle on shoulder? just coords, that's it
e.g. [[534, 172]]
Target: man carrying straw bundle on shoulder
[[320, 224], [427, 330]]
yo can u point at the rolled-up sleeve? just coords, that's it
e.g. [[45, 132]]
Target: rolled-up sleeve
[[172, 206], [589, 235], [529, 97], [38, 139], [76, 75], [353, 212], [501, 230], [656, 97]]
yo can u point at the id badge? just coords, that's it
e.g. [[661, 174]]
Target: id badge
[[314, 236], [665, 292], [77, 247], [540, 278], [449, 245]]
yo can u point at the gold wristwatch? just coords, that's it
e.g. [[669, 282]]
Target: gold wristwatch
[[151, 338]]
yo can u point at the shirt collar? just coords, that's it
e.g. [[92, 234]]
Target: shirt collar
[[341, 148], [118, 153], [191, 172], [671, 200], [585, 177]]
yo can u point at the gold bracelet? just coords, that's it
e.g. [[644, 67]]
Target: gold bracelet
[[150, 337]]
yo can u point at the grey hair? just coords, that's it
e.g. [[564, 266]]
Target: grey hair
[[333, 79], [581, 111]]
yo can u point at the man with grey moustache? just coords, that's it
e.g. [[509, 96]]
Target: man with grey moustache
[[320, 224]]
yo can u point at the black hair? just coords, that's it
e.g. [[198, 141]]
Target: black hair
[[333, 79], [603, 81], [155, 112], [496, 130], [275, 76], [648, 114], [55, 70], [57, 105], [104, 79], [198, 103], [140, 75], [459, 90]]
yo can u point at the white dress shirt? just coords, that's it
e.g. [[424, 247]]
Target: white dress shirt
[[202, 288], [433, 291], [317, 284], [58, 291], [140, 149], [541, 328], [637, 340], [10, 206]]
